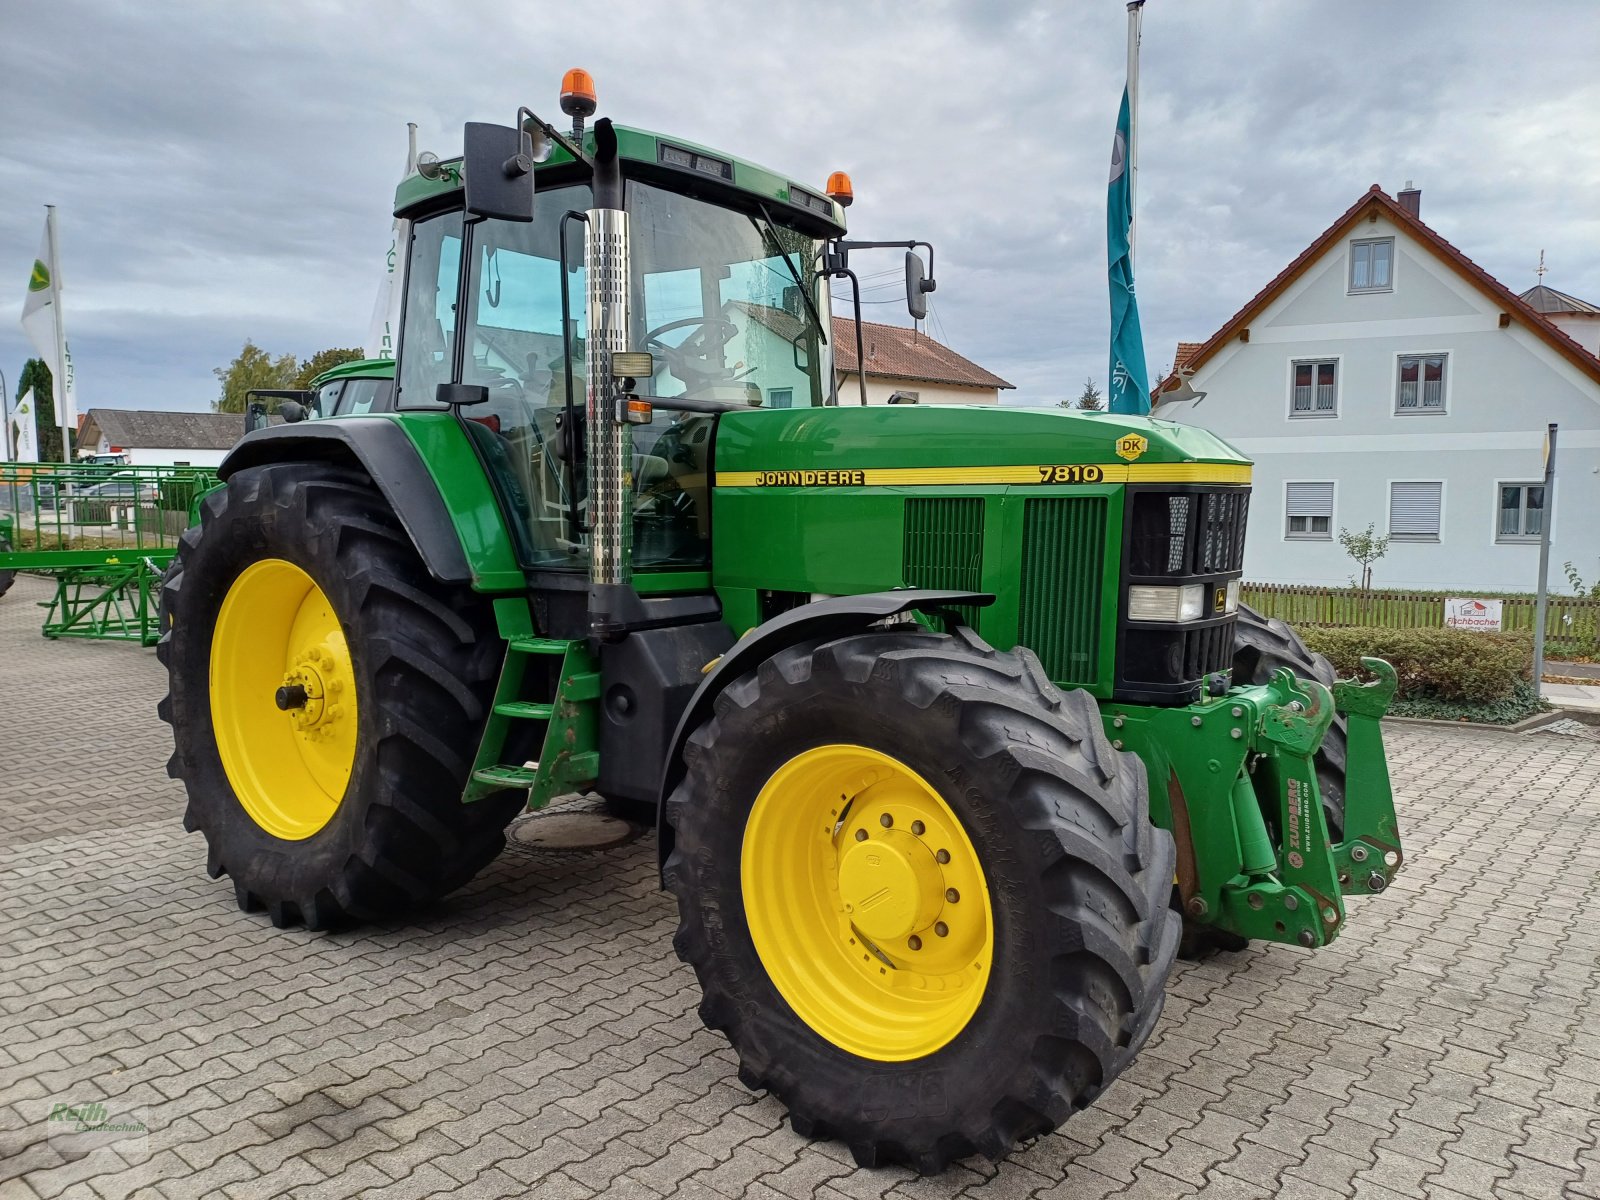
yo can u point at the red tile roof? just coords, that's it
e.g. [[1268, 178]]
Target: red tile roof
[[893, 351], [898, 353], [1376, 200]]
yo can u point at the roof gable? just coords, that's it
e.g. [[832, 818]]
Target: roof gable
[[1376, 200], [159, 429]]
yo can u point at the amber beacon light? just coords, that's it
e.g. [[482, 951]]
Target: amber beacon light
[[839, 188], [578, 98]]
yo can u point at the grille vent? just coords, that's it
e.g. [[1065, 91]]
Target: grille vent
[[1063, 557], [944, 546]]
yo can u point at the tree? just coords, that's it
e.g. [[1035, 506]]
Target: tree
[[321, 361], [1090, 400], [1366, 548], [254, 368], [36, 376]]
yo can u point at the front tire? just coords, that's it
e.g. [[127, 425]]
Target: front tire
[[960, 769], [326, 699]]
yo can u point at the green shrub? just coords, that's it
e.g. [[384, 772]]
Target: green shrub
[[1455, 666], [1524, 703]]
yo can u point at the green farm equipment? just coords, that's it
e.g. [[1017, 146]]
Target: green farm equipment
[[351, 389], [950, 715], [104, 533]]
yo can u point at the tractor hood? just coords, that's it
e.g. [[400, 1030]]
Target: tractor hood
[[965, 444]]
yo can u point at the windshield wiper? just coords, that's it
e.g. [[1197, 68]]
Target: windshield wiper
[[771, 234]]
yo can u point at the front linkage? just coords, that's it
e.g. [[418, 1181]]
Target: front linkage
[[1233, 778]]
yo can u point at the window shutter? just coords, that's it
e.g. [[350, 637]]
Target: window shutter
[[1414, 509], [1310, 499]]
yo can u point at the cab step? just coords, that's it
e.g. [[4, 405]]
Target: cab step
[[552, 646], [527, 710], [506, 776]]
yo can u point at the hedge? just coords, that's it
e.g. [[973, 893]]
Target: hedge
[[1452, 665]]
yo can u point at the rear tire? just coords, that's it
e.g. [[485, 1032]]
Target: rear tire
[[423, 660], [1076, 880]]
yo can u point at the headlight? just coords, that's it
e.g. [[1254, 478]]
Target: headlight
[[1232, 603], [1185, 603]]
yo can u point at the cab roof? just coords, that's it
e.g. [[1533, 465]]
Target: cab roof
[[668, 158]]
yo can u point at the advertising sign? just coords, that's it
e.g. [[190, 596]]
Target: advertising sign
[[1462, 613]]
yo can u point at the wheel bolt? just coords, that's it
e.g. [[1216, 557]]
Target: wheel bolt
[[886, 821], [952, 895], [942, 929], [861, 835], [914, 942], [943, 856], [918, 828]]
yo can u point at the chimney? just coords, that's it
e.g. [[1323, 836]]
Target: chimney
[[1410, 199]]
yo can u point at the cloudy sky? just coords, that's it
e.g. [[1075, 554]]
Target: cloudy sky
[[225, 170]]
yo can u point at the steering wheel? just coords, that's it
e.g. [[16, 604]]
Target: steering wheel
[[720, 328]]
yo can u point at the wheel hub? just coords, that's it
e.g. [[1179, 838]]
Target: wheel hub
[[311, 690], [891, 885]]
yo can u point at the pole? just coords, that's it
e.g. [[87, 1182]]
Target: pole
[[1135, 20], [63, 415], [1544, 556], [5, 418]]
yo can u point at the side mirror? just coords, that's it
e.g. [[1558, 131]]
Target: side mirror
[[454, 394], [497, 163], [293, 412], [918, 285], [255, 417]]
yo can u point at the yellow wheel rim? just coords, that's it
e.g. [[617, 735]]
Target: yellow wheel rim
[[283, 699], [866, 903]]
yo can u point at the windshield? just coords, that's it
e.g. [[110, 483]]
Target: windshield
[[716, 300]]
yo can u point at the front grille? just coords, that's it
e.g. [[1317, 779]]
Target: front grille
[[1175, 537], [1208, 650], [1186, 533], [1219, 539], [1063, 557], [943, 546]]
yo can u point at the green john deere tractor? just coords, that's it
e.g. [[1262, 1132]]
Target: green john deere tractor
[[951, 715]]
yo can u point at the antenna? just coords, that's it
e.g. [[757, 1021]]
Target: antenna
[[1538, 271]]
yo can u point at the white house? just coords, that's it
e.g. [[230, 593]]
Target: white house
[[158, 438], [1384, 378]]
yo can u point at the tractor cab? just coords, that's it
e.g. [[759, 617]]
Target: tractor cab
[[721, 292]]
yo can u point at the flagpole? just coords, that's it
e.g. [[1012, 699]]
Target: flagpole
[[63, 413], [5, 417], [1135, 20]]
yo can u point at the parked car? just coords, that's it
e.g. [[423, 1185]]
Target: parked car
[[125, 491]]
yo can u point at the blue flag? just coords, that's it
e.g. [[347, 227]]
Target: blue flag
[[1129, 388]]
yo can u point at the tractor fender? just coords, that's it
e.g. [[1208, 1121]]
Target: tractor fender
[[390, 460], [834, 617]]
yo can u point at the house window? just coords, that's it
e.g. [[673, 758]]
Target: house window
[[1414, 511], [1421, 384], [780, 397], [1521, 515], [1316, 390], [1310, 509], [1372, 265]]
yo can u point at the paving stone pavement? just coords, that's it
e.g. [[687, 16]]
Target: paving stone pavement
[[535, 1035]]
